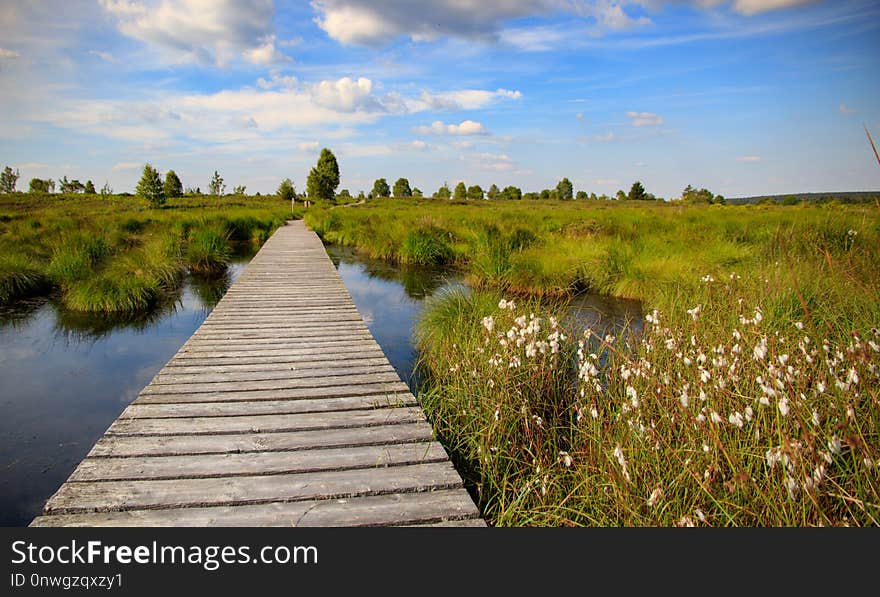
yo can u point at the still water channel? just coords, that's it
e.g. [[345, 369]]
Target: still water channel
[[65, 377]]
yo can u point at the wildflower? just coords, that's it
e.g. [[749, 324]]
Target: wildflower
[[706, 448], [852, 377], [704, 375], [834, 445], [621, 460], [760, 350], [700, 515], [749, 413], [736, 419], [799, 325], [783, 406], [683, 397], [685, 521], [694, 312], [497, 414], [815, 418], [655, 495], [565, 458], [715, 417], [851, 233], [594, 413], [489, 323], [634, 398], [791, 486], [707, 279]]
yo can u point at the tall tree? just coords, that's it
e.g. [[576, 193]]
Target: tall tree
[[401, 188], [216, 186], [106, 190], [173, 187], [417, 192], [582, 195], [150, 187], [324, 177], [286, 190], [475, 192], [239, 190], [637, 192], [8, 179], [512, 193], [460, 191], [90, 188], [565, 189], [443, 192], [493, 192], [39, 185], [380, 189]]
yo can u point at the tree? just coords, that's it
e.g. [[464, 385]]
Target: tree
[[38, 185], [239, 190], [286, 190], [545, 194], [90, 188], [443, 192], [150, 187], [380, 189], [401, 188], [106, 191], [71, 186], [564, 189], [324, 177], [637, 192], [531, 196], [511, 193], [582, 195], [193, 191], [8, 180], [361, 196], [475, 192], [345, 194], [493, 192], [621, 196], [705, 196], [460, 191], [216, 186], [417, 192], [173, 187]]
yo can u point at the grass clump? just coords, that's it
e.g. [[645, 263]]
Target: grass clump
[[74, 257], [208, 251], [20, 278], [426, 246]]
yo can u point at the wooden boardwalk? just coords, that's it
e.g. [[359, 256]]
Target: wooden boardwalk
[[280, 410]]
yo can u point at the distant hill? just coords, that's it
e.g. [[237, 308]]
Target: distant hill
[[841, 197]]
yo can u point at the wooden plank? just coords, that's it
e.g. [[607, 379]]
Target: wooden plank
[[265, 423], [138, 410], [288, 394], [260, 463], [122, 445], [178, 493], [436, 508], [287, 373], [373, 357], [221, 363], [272, 384]]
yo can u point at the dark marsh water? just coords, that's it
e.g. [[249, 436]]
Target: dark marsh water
[[65, 377]]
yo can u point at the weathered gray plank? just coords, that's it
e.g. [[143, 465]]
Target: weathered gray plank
[[259, 463], [177, 493], [272, 384], [358, 358], [287, 373], [171, 445], [265, 423], [436, 508], [287, 394], [139, 410]]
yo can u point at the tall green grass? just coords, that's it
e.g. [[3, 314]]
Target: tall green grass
[[118, 256]]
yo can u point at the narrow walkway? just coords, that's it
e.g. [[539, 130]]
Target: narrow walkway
[[281, 410]]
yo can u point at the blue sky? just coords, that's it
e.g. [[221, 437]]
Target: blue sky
[[743, 97]]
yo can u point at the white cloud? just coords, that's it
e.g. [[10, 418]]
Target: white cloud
[[346, 95], [752, 7], [644, 119], [105, 56], [749, 158], [464, 99], [207, 31], [462, 144], [419, 145], [377, 22], [497, 162], [8, 54], [466, 127], [277, 81], [844, 109], [309, 146]]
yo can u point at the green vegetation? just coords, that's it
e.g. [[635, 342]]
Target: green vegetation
[[113, 254], [149, 187], [750, 399], [323, 178]]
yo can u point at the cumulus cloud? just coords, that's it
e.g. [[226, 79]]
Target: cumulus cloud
[[309, 146], [346, 95], [419, 145], [497, 162], [465, 99], [749, 158], [466, 127], [640, 119], [207, 31]]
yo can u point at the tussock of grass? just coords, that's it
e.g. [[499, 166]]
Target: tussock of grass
[[426, 246], [208, 251], [20, 277]]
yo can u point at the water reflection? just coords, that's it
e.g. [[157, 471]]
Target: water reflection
[[65, 376]]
